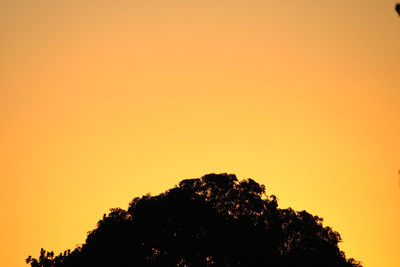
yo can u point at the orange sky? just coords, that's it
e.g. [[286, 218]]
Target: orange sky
[[102, 101]]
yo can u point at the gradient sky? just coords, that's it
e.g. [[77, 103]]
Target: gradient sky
[[102, 101]]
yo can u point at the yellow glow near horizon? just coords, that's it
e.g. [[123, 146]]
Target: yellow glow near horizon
[[103, 101]]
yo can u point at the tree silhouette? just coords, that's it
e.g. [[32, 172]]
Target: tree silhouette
[[214, 220], [397, 8]]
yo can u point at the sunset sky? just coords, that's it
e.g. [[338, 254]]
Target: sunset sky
[[102, 101]]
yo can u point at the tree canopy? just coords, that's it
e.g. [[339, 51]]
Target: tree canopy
[[215, 220]]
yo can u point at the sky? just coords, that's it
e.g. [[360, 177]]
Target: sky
[[103, 101]]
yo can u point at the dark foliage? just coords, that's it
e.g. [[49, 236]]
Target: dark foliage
[[397, 8], [215, 220]]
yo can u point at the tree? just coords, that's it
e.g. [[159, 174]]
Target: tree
[[214, 220]]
